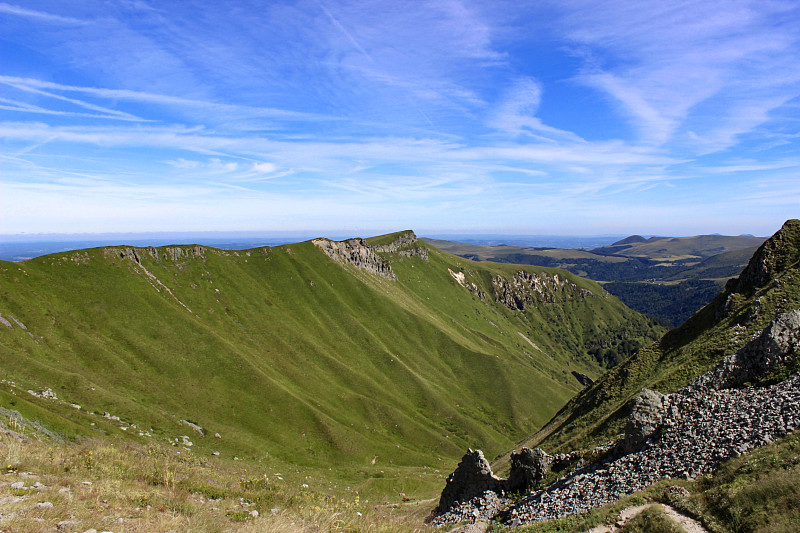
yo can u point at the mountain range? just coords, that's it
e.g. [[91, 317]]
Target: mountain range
[[380, 359], [362, 367], [668, 278]]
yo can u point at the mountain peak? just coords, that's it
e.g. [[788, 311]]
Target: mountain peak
[[775, 255], [633, 239]]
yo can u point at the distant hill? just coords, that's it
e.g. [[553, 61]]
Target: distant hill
[[665, 277], [676, 249], [379, 358]]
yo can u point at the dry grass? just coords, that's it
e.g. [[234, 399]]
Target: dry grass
[[121, 487]]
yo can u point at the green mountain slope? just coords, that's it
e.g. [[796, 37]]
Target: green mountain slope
[[769, 285], [390, 355]]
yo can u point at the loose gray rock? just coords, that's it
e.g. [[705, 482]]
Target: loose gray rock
[[66, 525], [681, 435]]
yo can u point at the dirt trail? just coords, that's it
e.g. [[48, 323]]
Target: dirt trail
[[689, 524]]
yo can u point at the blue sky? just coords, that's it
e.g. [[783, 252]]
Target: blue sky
[[563, 117]]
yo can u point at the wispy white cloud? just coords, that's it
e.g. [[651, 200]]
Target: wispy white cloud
[[660, 61], [38, 15], [209, 107], [516, 113], [455, 109]]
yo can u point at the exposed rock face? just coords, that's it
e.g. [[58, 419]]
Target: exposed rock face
[[173, 253], [361, 255], [405, 245], [645, 419], [471, 479], [775, 346], [462, 280], [775, 255], [357, 253], [528, 468], [583, 379], [527, 288], [681, 435]]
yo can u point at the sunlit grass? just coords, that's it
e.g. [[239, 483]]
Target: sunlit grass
[[117, 486]]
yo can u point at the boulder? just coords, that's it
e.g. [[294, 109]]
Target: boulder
[[471, 478], [775, 346], [645, 419], [528, 468]]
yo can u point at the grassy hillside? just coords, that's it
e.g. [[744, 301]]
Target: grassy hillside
[[297, 360], [770, 285]]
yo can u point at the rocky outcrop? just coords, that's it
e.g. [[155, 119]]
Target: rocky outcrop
[[171, 253], [583, 379], [527, 288], [462, 280], [472, 478], [357, 253], [775, 255], [133, 254], [680, 435], [176, 253], [474, 492], [404, 245], [360, 254], [645, 419], [528, 468], [775, 346]]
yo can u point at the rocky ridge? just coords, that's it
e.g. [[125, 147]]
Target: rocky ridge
[[528, 288], [173, 253], [404, 245], [775, 255], [362, 255], [358, 253], [767, 268], [680, 435]]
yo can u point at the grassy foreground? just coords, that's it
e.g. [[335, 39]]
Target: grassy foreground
[[120, 486]]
